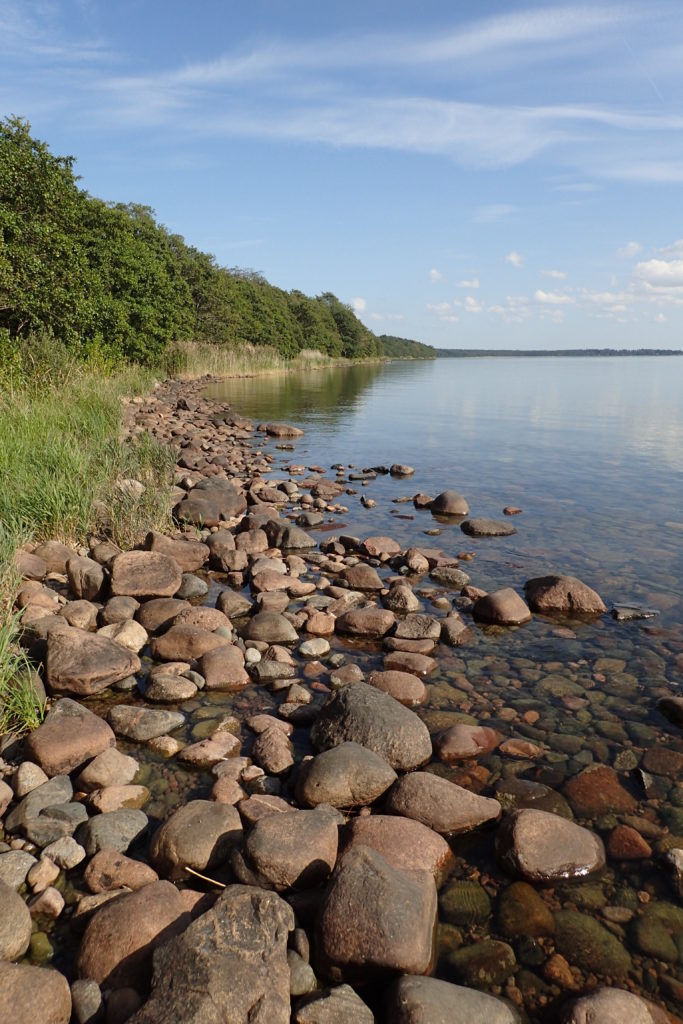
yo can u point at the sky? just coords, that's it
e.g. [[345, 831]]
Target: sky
[[471, 174]]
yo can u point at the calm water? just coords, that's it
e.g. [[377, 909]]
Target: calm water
[[592, 451]]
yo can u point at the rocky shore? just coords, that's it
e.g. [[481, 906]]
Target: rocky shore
[[261, 793]]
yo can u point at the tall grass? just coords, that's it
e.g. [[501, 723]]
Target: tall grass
[[191, 359]]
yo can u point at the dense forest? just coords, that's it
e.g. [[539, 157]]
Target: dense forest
[[404, 348], [108, 279]]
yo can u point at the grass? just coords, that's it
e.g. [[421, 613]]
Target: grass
[[189, 360], [20, 707]]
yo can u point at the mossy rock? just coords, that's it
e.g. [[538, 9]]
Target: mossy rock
[[673, 817], [651, 938], [584, 895], [521, 911], [559, 686], [585, 943], [465, 903], [448, 939], [483, 964]]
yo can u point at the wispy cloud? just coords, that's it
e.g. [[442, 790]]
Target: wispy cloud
[[556, 275], [552, 298], [435, 275], [629, 250], [515, 259], [472, 283]]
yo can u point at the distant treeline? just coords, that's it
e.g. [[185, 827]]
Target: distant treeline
[[403, 348], [108, 279], [474, 353]]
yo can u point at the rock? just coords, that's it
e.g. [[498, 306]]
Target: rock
[[239, 950], [562, 595], [114, 798], [418, 627], [15, 866], [66, 853], [117, 946], [521, 911], [295, 849], [672, 708], [287, 536], [271, 628], [515, 794], [482, 527], [117, 830], [188, 554], [439, 804], [366, 623], [272, 751], [449, 503], [159, 613], [380, 547], [200, 835], [28, 776], [454, 632], [206, 753], [502, 608], [465, 903], [413, 1000], [596, 791], [542, 847], [15, 924], [210, 502], [82, 614], [69, 736], [47, 904], [30, 567], [35, 994], [260, 805], [338, 1005], [613, 1006], [362, 714], [405, 687], [192, 587], [42, 874], [588, 945], [408, 661], [375, 919], [223, 669], [404, 843], [185, 643], [362, 577], [347, 775], [86, 578], [129, 634], [140, 724], [483, 964], [400, 599], [57, 791], [55, 555], [460, 742], [209, 619], [88, 1006], [624, 843], [661, 761], [280, 430], [110, 768], [169, 689], [144, 574], [449, 576], [82, 663], [109, 870], [316, 648]]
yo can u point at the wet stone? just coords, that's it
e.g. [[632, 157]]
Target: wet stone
[[590, 946], [613, 1006], [484, 964], [461, 742], [482, 527], [464, 903], [440, 804], [521, 911], [597, 790], [502, 608], [413, 1000], [563, 595], [545, 847], [142, 724]]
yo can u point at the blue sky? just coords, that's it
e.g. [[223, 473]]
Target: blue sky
[[468, 174]]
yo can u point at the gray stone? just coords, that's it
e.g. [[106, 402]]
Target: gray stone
[[192, 587], [66, 853], [412, 1000], [363, 714], [347, 775], [88, 1005], [28, 776], [482, 527], [230, 965], [449, 503], [57, 791], [200, 835], [210, 502], [542, 847], [115, 830], [140, 724], [449, 576], [338, 1005], [14, 867], [15, 924], [440, 804]]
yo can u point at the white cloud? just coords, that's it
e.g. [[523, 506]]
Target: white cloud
[[492, 213], [435, 275], [515, 259], [552, 298], [557, 275], [629, 250], [660, 273], [439, 307], [472, 283], [358, 305], [376, 316], [472, 305]]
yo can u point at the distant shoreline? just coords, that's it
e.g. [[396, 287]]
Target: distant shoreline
[[479, 353]]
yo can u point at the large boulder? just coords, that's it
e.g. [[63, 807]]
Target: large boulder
[[449, 503], [294, 849], [189, 554], [200, 835], [542, 847], [210, 502], [69, 736], [338, 1005], [143, 574], [375, 920], [363, 714], [34, 995], [404, 843], [185, 642], [366, 623], [272, 628], [613, 1006], [563, 595], [348, 775], [84, 663], [15, 924], [230, 965], [142, 724], [413, 1000], [117, 946], [501, 608], [440, 804]]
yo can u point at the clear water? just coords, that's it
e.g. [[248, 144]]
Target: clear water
[[592, 451]]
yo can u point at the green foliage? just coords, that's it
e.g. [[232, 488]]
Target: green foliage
[[403, 348], [108, 282], [20, 707]]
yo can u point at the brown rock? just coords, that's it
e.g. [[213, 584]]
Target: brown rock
[[367, 623], [450, 503], [562, 595], [206, 753], [661, 761], [116, 949], [143, 574], [188, 554], [55, 555], [115, 798], [206, 618], [34, 995], [159, 613], [501, 608], [272, 751], [185, 643], [320, 624], [109, 870], [30, 566], [439, 804], [261, 805], [380, 547], [405, 661], [625, 843], [200, 835], [461, 741], [223, 669], [82, 663], [405, 844], [543, 847], [295, 849], [404, 687], [596, 791], [69, 736], [86, 578], [348, 775]]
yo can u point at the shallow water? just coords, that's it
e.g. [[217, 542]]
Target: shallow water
[[592, 451]]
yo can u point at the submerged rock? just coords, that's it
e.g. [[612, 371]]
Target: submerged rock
[[613, 1006], [542, 847], [412, 1000], [563, 595], [502, 608]]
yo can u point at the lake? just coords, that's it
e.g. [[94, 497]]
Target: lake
[[591, 449]]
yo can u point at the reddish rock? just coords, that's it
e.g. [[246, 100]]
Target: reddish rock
[[366, 623], [143, 574], [69, 736], [404, 843], [380, 547], [223, 669], [110, 870], [501, 608], [86, 578], [34, 995], [404, 687], [626, 843], [405, 661], [562, 595], [189, 554], [460, 742], [159, 613], [55, 555], [661, 761], [439, 804], [185, 643], [206, 618], [84, 663], [362, 577], [596, 791]]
